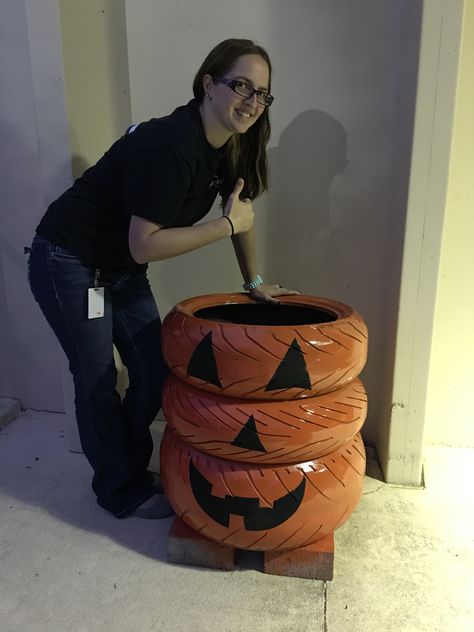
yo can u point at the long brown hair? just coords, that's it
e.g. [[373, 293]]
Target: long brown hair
[[246, 155]]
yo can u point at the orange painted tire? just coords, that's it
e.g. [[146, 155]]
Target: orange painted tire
[[257, 507], [231, 345], [289, 431]]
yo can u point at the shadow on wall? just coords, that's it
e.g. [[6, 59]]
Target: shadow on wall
[[9, 257], [28, 366], [301, 227]]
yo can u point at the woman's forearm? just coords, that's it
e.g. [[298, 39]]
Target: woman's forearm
[[165, 243], [244, 246]]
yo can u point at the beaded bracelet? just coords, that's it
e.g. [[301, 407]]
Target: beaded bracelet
[[251, 285]]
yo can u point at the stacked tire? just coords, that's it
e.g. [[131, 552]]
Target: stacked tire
[[264, 407]]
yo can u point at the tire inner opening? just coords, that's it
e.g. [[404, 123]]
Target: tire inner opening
[[266, 314]]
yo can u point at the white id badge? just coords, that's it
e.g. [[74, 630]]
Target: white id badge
[[95, 302]]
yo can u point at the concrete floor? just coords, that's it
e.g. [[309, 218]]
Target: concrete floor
[[404, 561]]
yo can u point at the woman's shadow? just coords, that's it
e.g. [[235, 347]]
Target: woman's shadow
[[302, 234]]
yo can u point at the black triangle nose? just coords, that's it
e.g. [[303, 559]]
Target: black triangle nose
[[248, 437]]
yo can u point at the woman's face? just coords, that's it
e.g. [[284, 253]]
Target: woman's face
[[229, 112]]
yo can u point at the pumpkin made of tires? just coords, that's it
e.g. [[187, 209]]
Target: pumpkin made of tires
[[262, 507], [231, 345], [262, 431]]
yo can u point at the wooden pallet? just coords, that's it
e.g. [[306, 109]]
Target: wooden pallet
[[186, 546]]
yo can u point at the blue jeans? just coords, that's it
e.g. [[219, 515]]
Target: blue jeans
[[114, 434]]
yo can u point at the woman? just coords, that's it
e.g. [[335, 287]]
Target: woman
[[139, 203]]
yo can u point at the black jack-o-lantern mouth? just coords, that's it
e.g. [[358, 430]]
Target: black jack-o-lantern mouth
[[255, 518], [260, 507]]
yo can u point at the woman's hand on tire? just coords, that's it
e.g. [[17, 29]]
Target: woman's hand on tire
[[270, 293]]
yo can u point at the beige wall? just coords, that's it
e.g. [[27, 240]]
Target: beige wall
[[450, 409], [96, 76], [401, 435]]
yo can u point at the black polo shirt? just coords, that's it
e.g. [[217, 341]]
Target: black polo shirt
[[163, 170]]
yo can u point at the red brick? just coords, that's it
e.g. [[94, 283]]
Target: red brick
[[186, 546], [315, 561]]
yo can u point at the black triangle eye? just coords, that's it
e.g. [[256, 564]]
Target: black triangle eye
[[248, 437], [203, 362], [291, 372]]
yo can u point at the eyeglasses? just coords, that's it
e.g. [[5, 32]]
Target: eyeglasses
[[245, 89]]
